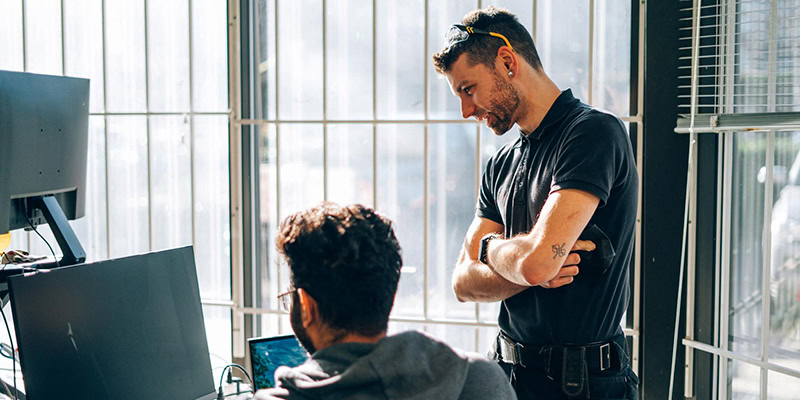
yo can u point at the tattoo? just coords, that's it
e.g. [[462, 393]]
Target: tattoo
[[559, 250]]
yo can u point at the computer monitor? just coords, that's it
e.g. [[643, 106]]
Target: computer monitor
[[44, 122], [129, 328]]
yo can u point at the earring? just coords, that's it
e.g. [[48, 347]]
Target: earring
[[510, 73]]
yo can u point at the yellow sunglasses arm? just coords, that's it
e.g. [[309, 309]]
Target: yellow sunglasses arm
[[497, 35]]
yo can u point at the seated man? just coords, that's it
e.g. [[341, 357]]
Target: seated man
[[345, 264]]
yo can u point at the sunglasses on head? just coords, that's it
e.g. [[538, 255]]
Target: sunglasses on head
[[458, 33]]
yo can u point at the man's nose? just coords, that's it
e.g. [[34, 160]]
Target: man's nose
[[467, 108]]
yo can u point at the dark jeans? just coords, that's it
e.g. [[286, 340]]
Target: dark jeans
[[534, 384]]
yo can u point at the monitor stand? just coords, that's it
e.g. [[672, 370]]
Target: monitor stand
[[68, 242]]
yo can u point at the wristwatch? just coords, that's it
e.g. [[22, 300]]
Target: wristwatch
[[483, 250]]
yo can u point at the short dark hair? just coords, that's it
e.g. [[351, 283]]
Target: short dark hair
[[348, 259], [483, 48]]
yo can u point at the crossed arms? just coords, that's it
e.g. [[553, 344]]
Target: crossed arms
[[539, 257]]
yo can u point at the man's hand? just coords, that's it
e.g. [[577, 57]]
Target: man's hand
[[570, 269]]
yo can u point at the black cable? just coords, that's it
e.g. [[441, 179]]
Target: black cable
[[222, 376], [14, 353], [40, 235]]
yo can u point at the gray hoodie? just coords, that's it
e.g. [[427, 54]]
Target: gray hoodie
[[409, 365]]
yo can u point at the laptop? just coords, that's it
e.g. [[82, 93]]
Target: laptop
[[129, 328], [269, 353]]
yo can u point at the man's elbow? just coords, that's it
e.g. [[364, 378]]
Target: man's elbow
[[534, 272], [459, 288]]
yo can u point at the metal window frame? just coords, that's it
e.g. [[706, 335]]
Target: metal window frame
[[726, 124], [147, 113], [426, 121]]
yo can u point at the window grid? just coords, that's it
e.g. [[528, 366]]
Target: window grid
[[261, 125], [29, 238], [728, 101]]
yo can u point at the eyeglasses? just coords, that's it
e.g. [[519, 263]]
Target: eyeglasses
[[459, 33], [285, 300]]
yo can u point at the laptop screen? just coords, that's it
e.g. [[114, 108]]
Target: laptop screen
[[130, 328], [269, 353]]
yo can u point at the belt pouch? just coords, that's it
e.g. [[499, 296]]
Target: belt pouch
[[573, 375]]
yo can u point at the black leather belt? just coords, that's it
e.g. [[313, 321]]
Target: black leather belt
[[599, 356]]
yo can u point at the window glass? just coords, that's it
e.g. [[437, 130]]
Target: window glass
[[170, 181], [401, 61], [300, 147], [267, 284], [750, 88], [209, 56], [211, 194], [168, 55], [300, 59], [128, 188], [43, 37], [744, 381], [787, 64], [401, 197], [782, 386], [348, 40], [125, 56], [746, 257], [562, 39], [350, 163], [452, 182], [611, 82], [265, 61], [11, 50], [83, 53], [784, 319]]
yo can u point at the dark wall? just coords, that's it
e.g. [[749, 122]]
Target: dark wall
[[664, 162]]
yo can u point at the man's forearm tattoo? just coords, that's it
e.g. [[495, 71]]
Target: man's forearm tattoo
[[558, 251]]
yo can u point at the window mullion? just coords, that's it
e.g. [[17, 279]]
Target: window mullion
[[768, 198], [324, 101], [767, 260], [725, 259]]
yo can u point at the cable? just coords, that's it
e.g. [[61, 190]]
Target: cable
[[40, 235], [13, 364], [222, 375]]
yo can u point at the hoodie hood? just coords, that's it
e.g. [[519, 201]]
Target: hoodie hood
[[409, 365]]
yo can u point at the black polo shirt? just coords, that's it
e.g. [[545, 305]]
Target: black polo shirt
[[575, 147]]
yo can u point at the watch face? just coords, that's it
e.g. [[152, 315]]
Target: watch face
[[482, 251]]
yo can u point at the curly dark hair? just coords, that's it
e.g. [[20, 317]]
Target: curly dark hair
[[348, 259], [483, 48]]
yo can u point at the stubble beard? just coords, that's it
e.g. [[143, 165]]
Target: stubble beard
[[504, 105]]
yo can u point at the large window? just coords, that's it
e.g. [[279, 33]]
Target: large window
[[348, 108], [158, 130], [746, 83]]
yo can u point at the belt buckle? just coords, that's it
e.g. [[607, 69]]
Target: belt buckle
[[509, 352], [605, 356]]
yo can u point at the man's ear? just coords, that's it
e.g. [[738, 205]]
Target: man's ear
[[507, 60], [308, 308]]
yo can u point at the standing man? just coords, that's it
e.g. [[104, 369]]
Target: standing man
[[572, 167]]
